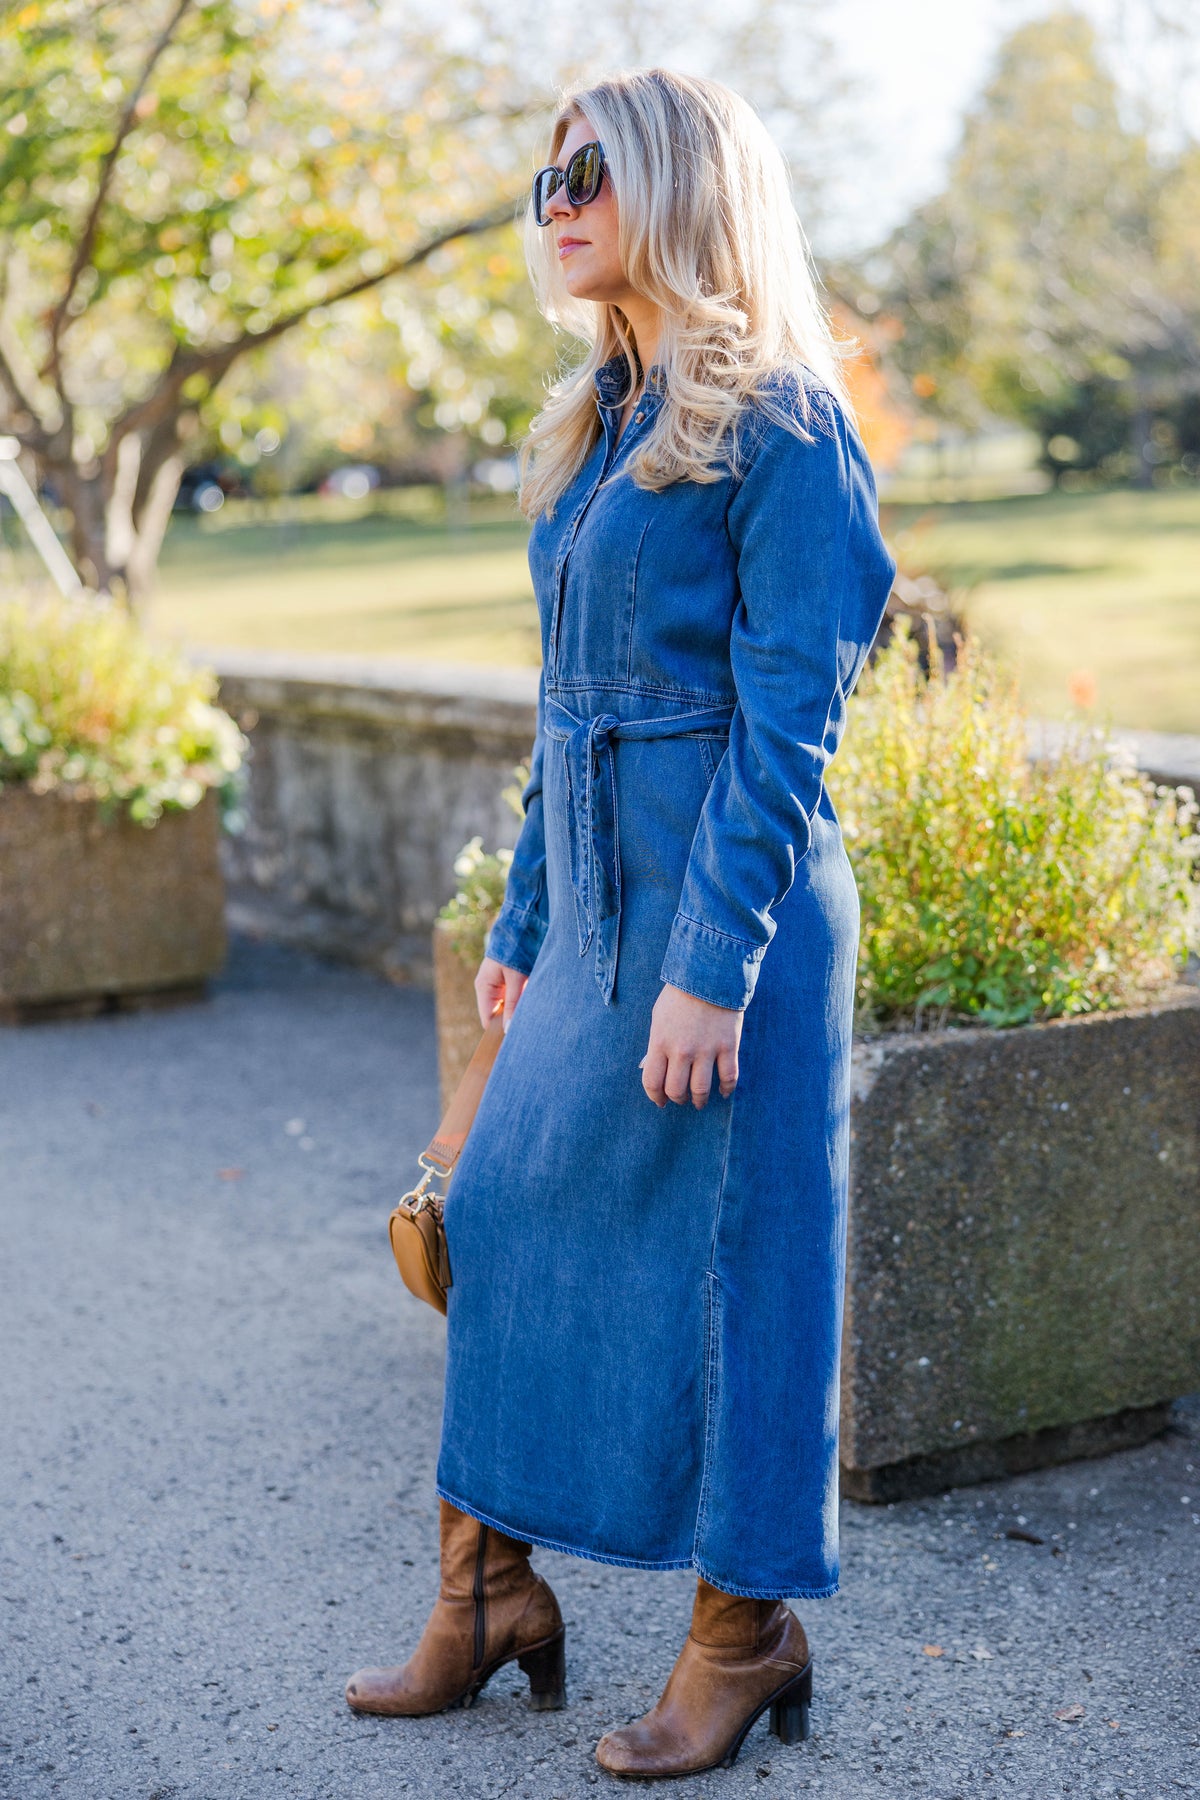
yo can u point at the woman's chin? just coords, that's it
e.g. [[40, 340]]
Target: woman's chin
[[578, 285]]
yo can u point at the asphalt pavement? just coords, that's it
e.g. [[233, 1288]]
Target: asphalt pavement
[[220, 1415]]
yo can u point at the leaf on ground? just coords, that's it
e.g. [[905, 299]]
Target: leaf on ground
[[932, 1650], [1074, 1711]]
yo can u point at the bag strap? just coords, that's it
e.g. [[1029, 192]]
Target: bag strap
[[446, 1145]]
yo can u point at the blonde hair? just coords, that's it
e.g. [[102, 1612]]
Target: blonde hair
[[708, 231]]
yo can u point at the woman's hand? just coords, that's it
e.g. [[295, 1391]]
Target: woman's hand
[[494, 984], [688, 1039]]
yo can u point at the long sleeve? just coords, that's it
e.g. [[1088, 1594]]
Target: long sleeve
[[516, 936], [813, 577]]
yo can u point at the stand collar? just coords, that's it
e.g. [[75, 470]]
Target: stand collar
[[611, 377]]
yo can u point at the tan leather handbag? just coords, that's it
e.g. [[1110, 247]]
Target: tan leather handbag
[[416, 1226]]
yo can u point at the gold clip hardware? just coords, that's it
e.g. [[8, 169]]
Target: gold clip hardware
[[419, 1198]]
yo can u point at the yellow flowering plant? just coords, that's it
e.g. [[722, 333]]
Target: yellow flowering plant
[[1000, 886], [91, 707]]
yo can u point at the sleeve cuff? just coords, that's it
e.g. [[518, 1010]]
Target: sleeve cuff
[[710, 964], [516, 937]]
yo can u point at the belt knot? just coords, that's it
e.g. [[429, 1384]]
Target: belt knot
[[595, 855]]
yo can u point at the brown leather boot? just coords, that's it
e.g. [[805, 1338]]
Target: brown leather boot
[[739, 1657], [491, 1608]]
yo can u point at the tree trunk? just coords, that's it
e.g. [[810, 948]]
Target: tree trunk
[[152, 520], [120, 508], [81, 492]]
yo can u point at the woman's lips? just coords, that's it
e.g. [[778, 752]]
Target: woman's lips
[[566, 245]]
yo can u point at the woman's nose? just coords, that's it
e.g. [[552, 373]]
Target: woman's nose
[[558, 206]]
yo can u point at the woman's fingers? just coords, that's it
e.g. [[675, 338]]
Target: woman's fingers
[[514, 987], [701, 1079], [654, 1072], [692, 1042], [496, 986], [677, 1077], [676, 1085], [489, 988]]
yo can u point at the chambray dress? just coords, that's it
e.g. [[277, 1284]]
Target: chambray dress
[[644, 1326]]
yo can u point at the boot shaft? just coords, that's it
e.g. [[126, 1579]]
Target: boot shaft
[[477, 1560], [733, 1622]]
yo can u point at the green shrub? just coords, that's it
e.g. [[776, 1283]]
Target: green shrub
[[471, 911], [995, 888], [91, 707]]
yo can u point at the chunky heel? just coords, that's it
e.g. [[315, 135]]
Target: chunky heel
[[789, 1710], [546, 1668]]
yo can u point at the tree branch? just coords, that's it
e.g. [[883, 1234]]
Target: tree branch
[[161, 445], [18, 374], [87, 240], [214, 364], [9, 379], [39, 436]]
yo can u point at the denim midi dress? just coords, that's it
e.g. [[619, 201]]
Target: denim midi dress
[[645, 1319]]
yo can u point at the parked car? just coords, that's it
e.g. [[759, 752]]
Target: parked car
[[353, 481], [499, 473], [206, 486]]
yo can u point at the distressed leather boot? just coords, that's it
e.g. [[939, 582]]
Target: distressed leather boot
[[491, 1609], [739, 1657]]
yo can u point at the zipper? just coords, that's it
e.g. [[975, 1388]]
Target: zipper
[[477, 1594]]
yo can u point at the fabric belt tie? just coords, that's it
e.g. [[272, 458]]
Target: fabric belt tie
[[592, 813]]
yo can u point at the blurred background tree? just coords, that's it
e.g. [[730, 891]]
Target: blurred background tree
[[254, 240], [186, 183], [1053, 281], [181, 185]]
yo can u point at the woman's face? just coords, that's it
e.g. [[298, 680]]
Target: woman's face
[[585, 237]]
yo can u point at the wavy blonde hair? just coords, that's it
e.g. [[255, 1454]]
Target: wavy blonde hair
[[707, 230]]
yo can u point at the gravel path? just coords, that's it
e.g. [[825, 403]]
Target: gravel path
[[220, 1424]]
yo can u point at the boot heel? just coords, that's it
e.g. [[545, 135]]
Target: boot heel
[[789, 1710], [546, 1668]]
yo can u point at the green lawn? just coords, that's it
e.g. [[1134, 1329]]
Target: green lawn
[[323, 576], [1102, 585]]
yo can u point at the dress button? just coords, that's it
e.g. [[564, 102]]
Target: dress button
[[638, 417]]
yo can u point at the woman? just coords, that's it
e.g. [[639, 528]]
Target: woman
[[645, 1319]]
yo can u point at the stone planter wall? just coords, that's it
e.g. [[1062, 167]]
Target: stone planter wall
[[97, 912], [367, 778], [365, 781], [1023, 1279]]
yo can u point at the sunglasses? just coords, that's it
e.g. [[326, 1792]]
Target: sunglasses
[[581, 178]]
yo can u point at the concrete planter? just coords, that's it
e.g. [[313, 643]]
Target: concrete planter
[[1023, 1276], [97, 913], [458, 1027], [366, 779], [1023, 1267]]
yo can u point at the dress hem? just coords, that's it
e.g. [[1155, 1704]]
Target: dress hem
[[632, 1562]]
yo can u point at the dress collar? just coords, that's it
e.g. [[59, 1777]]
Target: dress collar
[[611, 378]]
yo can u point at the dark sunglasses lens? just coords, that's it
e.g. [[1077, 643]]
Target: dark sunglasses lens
[[545, 185], [583, 175]]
